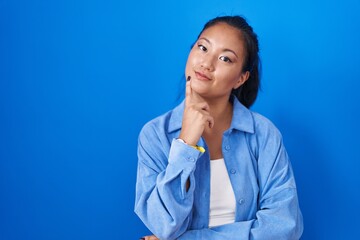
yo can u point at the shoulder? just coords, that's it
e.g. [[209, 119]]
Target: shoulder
[[156, 125], [250, 122], [264, 129], [262, 123], [165, 123]]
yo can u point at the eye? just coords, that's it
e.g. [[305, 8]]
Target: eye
[[225, 59], [202, 47]]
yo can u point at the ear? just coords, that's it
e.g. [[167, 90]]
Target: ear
[[244, 76]]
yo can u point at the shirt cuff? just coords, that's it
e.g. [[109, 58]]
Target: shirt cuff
[[183, 154]]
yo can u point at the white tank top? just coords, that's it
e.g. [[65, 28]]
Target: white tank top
[[222, 198]]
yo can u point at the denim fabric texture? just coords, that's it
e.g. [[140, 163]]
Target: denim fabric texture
[[258, 166]]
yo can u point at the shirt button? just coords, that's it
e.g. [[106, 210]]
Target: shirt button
[[241, 201], [191, 159], [227, 147], [233, 171]]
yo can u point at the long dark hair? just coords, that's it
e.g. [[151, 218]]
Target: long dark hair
[[247, 92]]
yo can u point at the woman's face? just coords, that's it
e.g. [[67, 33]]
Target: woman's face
[[215, 62]]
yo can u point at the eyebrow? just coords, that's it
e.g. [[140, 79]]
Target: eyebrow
[[225, 49]]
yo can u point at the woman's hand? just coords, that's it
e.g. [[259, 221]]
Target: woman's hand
[[196, 116], [152, 237]]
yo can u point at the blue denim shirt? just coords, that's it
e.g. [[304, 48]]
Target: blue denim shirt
[[259, 170]]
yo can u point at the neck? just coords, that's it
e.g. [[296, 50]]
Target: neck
[[221, 110]]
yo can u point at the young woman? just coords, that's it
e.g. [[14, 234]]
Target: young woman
[[211, 168]]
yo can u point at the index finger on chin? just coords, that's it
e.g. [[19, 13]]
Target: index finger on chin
[[188, 91]]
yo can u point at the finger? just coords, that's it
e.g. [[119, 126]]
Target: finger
[[208, 118], [188, 92], [211, 122], [191, 96], [203, 106]]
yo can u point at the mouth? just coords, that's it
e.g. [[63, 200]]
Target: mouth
[[202, 76]]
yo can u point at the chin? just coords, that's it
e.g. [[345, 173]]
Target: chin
[[200, 90]]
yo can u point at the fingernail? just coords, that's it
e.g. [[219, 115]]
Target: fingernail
[[188, 78]]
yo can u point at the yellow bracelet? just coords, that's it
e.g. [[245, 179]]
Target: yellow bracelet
[[201, 149]]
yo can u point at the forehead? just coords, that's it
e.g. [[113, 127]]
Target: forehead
[[224, 35]]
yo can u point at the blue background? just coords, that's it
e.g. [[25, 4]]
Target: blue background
[[78, 79]]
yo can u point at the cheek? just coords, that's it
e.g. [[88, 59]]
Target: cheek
[[191, 61], [191, 57], [227, 77]]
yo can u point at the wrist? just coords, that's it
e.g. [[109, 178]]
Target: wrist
[[187, 140], [199, 148]]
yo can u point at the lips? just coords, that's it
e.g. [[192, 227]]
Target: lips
[[202, 76]]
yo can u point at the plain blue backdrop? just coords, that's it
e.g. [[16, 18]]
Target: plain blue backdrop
[[78, 79]]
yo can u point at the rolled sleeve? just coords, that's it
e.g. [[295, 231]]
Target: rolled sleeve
[[162, 201]]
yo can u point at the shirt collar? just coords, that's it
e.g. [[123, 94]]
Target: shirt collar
[[242, 118]]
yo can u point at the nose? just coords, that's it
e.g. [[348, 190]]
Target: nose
[[207, 62]]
